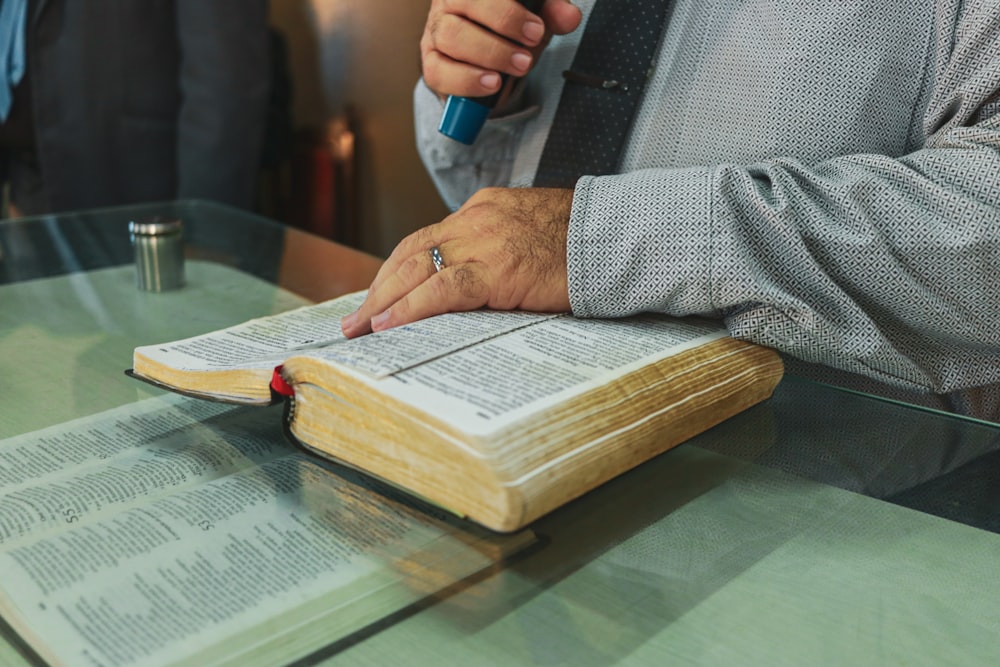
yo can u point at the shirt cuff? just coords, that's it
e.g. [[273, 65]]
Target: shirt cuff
[[642, 241]]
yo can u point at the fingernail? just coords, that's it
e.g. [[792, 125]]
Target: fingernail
[[379, 320], [520, 61], [490, 80], [533, 31], [348, 321]]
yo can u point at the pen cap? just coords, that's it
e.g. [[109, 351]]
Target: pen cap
[[462, 119]]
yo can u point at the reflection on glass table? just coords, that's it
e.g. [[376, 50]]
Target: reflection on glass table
[[820, 527]]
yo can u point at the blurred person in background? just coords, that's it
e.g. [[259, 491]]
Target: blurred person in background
[[109, 102]]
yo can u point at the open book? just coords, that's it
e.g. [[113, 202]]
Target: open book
[[500, 417], [180, 532]]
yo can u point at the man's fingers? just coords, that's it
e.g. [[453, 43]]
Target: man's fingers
[[506, 18], [451, 290], [466, 45], [398, 281], [450, 77], [469, 42], [417, 243]]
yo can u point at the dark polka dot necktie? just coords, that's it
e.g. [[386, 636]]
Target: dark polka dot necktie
[[602, 89]]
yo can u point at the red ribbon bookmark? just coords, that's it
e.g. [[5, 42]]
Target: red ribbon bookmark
[[279, 385]]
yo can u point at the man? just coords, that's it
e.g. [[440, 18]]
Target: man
[[826, 180], [117, 102]]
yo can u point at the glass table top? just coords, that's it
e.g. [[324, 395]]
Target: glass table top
[[822, 526]]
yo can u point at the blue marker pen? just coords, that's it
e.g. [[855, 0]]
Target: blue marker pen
[[464, 116]]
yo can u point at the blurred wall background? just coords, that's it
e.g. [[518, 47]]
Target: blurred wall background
[[356, 62]]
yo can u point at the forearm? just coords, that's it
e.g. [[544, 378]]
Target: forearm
[[879, 266]]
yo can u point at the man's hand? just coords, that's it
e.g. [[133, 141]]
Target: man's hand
[[505, 249], [467, 44]]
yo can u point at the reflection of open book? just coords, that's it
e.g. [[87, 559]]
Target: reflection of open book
[[499, 416], [183, 532]]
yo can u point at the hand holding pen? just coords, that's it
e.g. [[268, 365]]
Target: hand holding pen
[[470, 49]]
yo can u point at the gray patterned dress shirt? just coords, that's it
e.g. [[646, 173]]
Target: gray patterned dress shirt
[[824, 175]]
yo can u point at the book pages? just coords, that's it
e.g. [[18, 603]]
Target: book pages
[[503, 380], [395, 350], [187, 532], [265, 342], [262, 342], [60, 476], [499, 415]]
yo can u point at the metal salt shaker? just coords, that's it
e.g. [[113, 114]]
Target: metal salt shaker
[[159, 253]]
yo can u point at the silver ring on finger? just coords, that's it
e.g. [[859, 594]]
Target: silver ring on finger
[[437, 258]]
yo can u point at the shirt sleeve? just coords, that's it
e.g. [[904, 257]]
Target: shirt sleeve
[[884, 266], [458, 170]]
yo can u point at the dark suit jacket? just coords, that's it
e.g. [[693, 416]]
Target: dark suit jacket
[[147, 100]]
